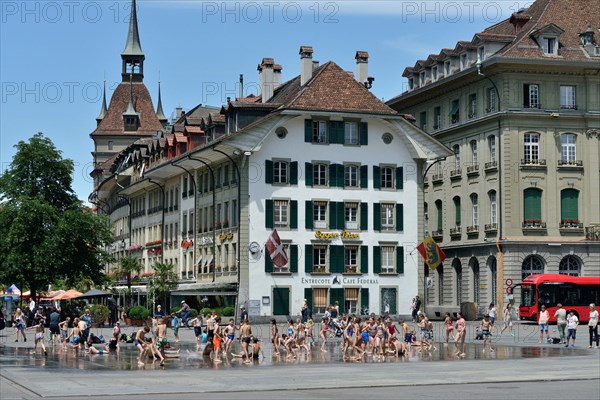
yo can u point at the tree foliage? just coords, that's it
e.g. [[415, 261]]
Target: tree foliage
[[164, 280], [128, 267], [46, 233]]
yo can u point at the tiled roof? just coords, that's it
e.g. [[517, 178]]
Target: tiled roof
[[113, 122], [332, 89], [180, 137], [216, 117], [193, 129]]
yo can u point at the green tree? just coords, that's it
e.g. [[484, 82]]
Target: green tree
[[128, 267], [45, 231], [162, 282]]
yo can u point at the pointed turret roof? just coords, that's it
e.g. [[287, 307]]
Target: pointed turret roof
[[130, 111], [103, 110], [133, 46], [159, 108]]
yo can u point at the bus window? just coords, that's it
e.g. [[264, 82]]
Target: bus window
[[527, 296]]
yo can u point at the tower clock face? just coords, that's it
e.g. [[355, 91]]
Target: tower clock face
[[254, 247]]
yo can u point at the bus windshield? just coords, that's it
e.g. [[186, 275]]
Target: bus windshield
[[527, 295]]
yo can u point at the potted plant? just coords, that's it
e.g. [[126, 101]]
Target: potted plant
[[137, 315], [100, 313]]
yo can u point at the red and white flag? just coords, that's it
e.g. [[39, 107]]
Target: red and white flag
[[276, 250]]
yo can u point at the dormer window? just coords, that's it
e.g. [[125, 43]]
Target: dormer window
[[481, 53], [447, 68], [550, 45], [434, 74], [411, 83], [464, 61], [131, 123], [422, 78], [587, 37]]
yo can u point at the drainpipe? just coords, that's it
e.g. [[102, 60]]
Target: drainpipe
[[193, 180]]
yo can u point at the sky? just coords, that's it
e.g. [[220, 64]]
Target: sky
[[55, 55]]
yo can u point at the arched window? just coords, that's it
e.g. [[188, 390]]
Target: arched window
[[532, 205], [458, 270], [532, 265], [493, 207], [568, 143], [569, 206], [569, 265], [474, 264], [475, 209], [457, 210], [493, 278]]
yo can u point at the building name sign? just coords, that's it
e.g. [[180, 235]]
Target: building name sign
[[334, 235], [343, 281]]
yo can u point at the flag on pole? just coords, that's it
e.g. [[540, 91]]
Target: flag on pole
[[431, 252], [276, 250]]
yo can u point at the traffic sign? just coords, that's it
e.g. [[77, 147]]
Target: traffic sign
[[509, 282], [509, 290]]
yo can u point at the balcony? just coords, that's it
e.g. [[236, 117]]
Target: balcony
[[533, 164], [592, 233], [473, 230], [490, 228], [534, 226], [570, 165], [455, 232], [439, 234], [437, 178], [473, 170], [456, 174], [491, 166]]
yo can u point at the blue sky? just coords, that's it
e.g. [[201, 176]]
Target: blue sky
[[54, 55]]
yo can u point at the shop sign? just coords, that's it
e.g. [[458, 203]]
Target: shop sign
[[320, 235], [225, 236]]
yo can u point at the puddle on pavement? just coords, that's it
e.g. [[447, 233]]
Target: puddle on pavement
[[126, 359]]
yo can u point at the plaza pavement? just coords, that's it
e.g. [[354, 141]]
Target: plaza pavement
[[537, 363]]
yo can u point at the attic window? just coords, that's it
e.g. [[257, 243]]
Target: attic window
[[422, 78], [447, 68], [550, 45], [481, 53], [411, 83], [434, 74], [131, 123], [464, 61]]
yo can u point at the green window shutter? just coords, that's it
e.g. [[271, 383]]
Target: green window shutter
[[268, 213], [294, 214], [308, 177], [332, 214], [308, 258], [364, 301], [532, 204], [341, 217], [308, 297], [281, 301], [376, 216], [332, 128], [294, 173], [293, 258], [364, 216], [268, 263], [308, 212], [399, 217], [364, 134], [268, 171], [364, 259], [399, 178], [308, 129], [400, 259], [336, 259], [569, 204], [340, 175], [457, 210], [337, 294], [376, 259], [364, 176], [440, 216], [376, 177], [332, 175]]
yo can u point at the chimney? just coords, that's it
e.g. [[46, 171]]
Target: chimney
[[315, 64], [306, 65], [362, 66], [178, 112], [265, 78], [277, 76]]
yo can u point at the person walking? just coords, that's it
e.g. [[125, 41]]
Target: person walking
[[38, 325], [486, 330], [572, 324], [561, 323], [448, 327], [459, 338], [54, 329], [593, 326], [543, 319], [492, 310], [508, 323]]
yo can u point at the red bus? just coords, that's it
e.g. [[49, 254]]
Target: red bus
[[573, 292]]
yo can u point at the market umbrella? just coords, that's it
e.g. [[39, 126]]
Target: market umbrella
[[94, 293], [52, 295], [69, 294]]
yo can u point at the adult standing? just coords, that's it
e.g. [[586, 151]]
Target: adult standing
[[492, 310], [416, 308], [507, 320], [19, 325], [572, 324], [304, 313], [543, 319], [243, 314], [54, 328], [561, 322], [593, 326]]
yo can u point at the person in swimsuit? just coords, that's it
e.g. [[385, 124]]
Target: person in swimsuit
[[161, 333], [396, 347], [229, 336], [379, 338], [196, 322], [486, 326], [256, 350], [323, 333], [102, 351], [448, 327], [245, 333], [217, 341], [348, 338], [459, 337], [64, 332], [39, 334], [365, 337], [75, 335], [301, 336], [140, 343], [310, 323], [274, 336]]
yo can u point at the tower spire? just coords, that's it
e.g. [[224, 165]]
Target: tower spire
[[103, 110], [133, 54], [159, 109]]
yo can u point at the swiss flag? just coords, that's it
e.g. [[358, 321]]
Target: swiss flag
[[276, 250]]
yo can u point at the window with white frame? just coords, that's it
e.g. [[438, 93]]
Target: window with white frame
[[434, 73], [493, 207], [388, 259], [411, 83], [473, 105], [320, 174], [475, 209], [437, 118], [281, 213], [531, 96], [320, 259], [447, 68], [567, 97], [550, 45], [351, 259], [280, 172], [481, 53], [387, 177], [319, 132], [422, 78], [351, 133], [531, 144], [351, 176], [456, 149], [320, 214], [492, 100], [387, 217], [351, 215], [473, 145], [568, 145], [492, 147], [464, 61]]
